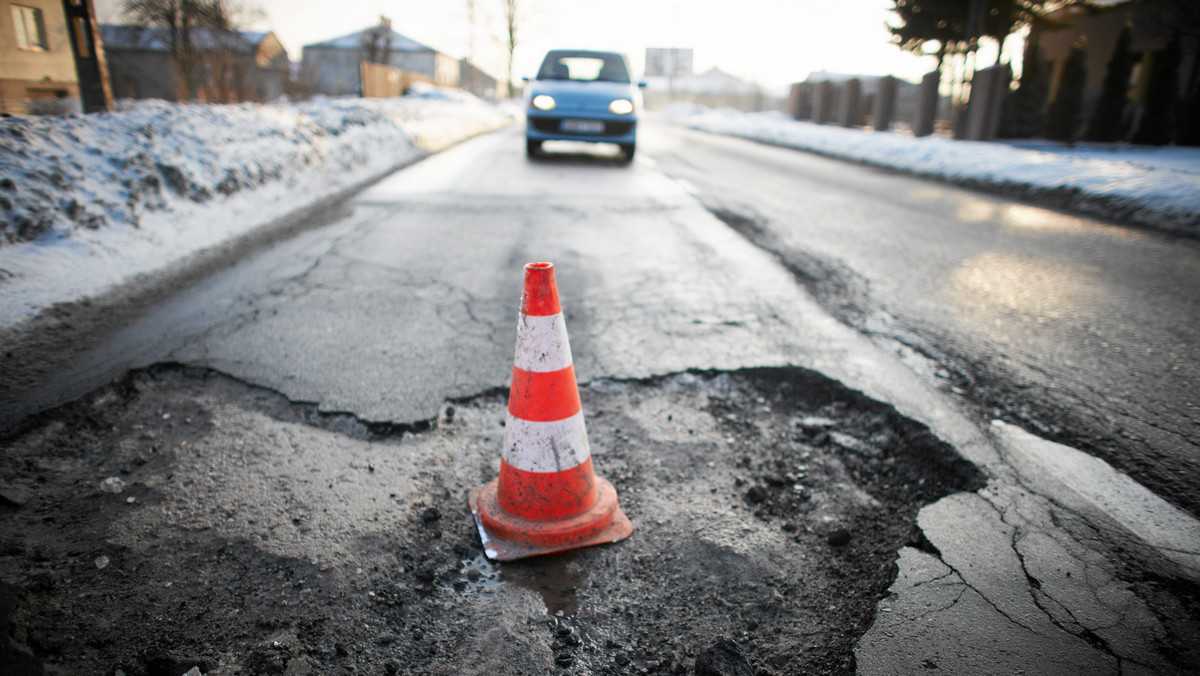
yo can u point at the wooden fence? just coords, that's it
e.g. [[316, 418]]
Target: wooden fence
[[380, 81]]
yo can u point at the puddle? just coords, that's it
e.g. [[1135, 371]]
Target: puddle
[[556, 579], [478, 574]]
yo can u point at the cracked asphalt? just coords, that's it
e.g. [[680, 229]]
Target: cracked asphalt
[[403, 301]]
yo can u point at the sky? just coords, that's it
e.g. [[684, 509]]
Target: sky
[[770, 42]]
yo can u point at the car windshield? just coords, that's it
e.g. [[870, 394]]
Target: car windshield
[[584, 67]]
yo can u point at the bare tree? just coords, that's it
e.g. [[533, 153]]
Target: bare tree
[[201, 38], [377, 42], [511, 24], [472, 55]]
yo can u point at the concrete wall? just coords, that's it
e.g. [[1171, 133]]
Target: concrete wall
[[147, 74], [140, 74], [333, 72], [476, 81]]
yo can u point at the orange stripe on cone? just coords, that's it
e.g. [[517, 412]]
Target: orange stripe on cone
[[544, 397], [547, 498], [546, 495]]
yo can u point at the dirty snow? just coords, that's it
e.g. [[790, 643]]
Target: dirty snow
[[1146, 186], [90, 202]]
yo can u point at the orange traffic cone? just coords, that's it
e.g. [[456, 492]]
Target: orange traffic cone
[[547, 499]]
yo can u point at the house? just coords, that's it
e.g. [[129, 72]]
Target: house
[[714, 88], [473, 79], [1097, 28], [334, 67], [37, 61], [228, 66]]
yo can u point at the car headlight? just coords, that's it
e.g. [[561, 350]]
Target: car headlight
[[543, 102], [621, 107]]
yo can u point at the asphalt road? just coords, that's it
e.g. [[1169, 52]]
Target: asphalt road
[[401, 304], [1080, 331], [407, 297]]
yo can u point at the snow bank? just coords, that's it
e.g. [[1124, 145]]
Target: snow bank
[[87, 202], [1151, 187]]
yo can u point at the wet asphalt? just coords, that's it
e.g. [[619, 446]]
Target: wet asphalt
[[1081, 331]]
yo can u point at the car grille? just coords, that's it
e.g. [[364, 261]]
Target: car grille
[[550, 125]]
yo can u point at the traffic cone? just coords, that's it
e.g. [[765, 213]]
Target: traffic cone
[[547, 498]]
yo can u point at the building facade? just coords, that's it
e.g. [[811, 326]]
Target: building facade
[[37, 64], [229, 66], [333, 67]]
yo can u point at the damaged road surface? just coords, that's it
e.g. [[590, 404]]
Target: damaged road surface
[[181, 519], [267, 473]]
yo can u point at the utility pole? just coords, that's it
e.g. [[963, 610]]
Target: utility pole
[[471, 56], [90, 66]]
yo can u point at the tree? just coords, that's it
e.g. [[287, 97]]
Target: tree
[[377, 42], [1158, 120], [956, 25], [1025, 108], [190, 29], [1189, 127], [1062, 118], [954, 28], [1107, 123], [1181, 18], [940, 23], [511, 25]]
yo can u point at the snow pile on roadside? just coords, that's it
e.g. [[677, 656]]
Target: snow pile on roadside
[[87, 202], [1152, 187]]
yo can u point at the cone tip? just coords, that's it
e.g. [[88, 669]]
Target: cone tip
[[541, 292]]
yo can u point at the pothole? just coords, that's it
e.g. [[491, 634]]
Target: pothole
[[768, 506]]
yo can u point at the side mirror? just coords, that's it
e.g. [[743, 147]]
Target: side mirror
[[524, 79], [641, 84]]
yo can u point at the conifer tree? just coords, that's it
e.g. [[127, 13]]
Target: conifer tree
[[1107, 123], [1025, 108], [1157, 127], [1062, 118]]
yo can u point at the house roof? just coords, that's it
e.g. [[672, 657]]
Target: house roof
[[153, 38], [354, 41]]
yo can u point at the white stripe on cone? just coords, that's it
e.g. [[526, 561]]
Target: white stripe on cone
[[545, 446], [542, 343]]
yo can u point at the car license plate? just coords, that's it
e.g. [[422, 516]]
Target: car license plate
[[583, 126]]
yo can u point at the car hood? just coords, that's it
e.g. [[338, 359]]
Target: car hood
[[583, 95]]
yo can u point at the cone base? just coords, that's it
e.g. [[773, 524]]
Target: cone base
[[507, 537]]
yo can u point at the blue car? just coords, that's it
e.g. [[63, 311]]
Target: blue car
[[582, 95]]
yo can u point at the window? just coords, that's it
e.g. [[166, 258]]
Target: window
[[31, 30], [584, 67]]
